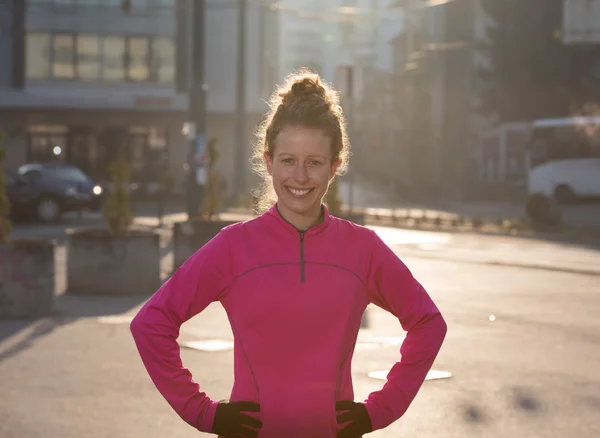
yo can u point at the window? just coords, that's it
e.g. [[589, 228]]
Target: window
[[31, 176], [38, 55], [113, 63], [98, 58], [66, 174], [63, 66], [163, 60], [154, 7], [138, 55], [88, 57]]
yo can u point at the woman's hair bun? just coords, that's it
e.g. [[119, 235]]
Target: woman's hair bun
[[303, 88]]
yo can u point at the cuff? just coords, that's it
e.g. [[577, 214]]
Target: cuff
[[379, 418], [207, 417]]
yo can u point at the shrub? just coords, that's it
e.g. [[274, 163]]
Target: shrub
[[213, 188], [117, 208]]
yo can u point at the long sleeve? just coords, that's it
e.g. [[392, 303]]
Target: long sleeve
[[155, 329], [392, 287]]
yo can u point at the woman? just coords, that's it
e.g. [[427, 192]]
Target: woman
[[294, 282]]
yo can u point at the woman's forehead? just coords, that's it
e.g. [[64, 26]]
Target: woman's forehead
[[301, 140]]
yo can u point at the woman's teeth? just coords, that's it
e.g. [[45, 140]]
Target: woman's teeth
[[298, 192]]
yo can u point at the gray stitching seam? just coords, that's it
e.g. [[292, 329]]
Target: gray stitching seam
[[246, 356]]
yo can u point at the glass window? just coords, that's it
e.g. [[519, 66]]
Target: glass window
[[163, 60], [40, 149], [66, 174], [138, 51], [63, 66], [38, 55], [113, 65], [88, 57], [31, 176]]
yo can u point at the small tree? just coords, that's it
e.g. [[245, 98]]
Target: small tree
[[5, 225], [333, 199], [117, 208], [212, 188]]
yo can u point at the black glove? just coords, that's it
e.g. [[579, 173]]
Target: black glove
[[359, 417], [231, 423]]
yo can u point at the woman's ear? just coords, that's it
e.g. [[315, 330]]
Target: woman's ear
[[334, 168], [269, 163]]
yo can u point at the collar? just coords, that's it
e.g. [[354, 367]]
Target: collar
[[276, 219]]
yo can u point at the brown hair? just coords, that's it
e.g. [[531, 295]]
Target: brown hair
[[304, 99]]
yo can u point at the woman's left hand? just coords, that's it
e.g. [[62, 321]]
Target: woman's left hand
[[357, 415]]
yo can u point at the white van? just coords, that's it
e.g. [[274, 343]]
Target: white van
[[564, 156]]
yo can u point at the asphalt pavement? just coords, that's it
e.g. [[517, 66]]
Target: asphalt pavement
[[521, 357], [522, 352]]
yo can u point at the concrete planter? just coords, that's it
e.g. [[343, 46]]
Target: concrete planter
[[27, 286], [189, 237], [99, 263]]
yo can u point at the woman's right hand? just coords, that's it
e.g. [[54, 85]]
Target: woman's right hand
[[231, 422]]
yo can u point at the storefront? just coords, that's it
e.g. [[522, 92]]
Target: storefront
[[93, 150]]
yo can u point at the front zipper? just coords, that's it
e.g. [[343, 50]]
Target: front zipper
[[301, 256]]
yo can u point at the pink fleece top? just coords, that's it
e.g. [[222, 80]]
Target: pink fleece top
[[294, 300]]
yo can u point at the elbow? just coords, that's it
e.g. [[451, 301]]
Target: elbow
[[441, 327], [136, 326]]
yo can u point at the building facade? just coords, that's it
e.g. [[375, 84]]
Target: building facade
[[435, 91], [86, 80]]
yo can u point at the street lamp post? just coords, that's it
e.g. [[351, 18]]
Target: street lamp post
[[240, 156], [196, 132]]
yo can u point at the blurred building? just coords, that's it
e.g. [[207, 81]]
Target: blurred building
[[93, 79], [581, 22], [431, 150]]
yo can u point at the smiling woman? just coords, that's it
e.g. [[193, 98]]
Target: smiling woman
[[301, 146], [295, 282]]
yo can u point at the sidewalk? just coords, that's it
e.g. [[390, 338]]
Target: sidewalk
[[500, 251]]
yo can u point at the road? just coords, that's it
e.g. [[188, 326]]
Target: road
[[522, 349]]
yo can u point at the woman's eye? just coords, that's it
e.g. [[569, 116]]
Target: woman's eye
[[288, 160], [315, 163]]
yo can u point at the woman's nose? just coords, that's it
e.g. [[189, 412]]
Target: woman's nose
[[301, 173]]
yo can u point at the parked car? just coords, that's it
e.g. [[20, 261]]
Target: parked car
[[45, 191]]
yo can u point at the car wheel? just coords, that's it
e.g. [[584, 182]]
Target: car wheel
[[564, 194], [48, 210]]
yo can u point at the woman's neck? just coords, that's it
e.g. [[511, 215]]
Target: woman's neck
[[300, 221]]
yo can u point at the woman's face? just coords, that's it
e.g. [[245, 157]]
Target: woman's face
[[301, 168]]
